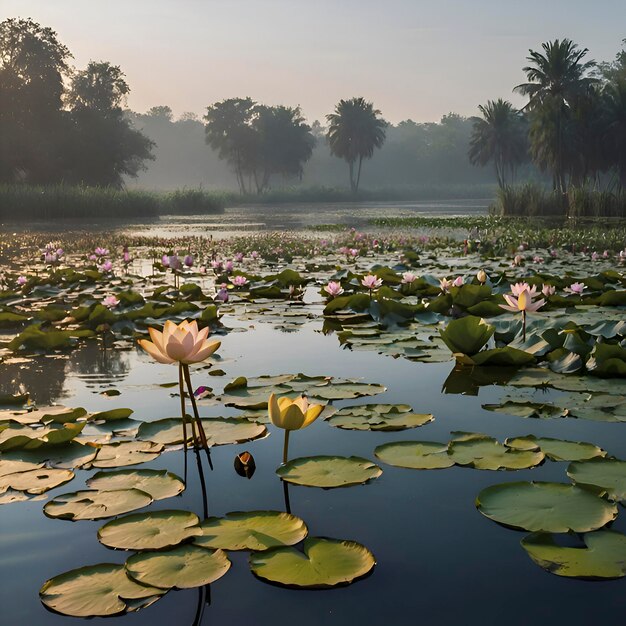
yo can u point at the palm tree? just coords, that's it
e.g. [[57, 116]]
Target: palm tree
[[557, 77], [615, 126], [499, 136], [355, 130]]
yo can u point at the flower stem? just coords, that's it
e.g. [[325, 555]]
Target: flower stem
[[524, 325], [182, 414], [203, 438], [286, 446]]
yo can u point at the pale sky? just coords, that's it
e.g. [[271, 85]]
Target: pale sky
[[415, 59]]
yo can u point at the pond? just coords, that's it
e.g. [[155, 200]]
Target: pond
[[438, 560]]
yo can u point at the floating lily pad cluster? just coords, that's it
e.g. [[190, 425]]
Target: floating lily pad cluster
[[478, 451], [583, 508], [175, 550]]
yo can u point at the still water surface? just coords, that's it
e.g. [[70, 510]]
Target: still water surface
[[439, 560]]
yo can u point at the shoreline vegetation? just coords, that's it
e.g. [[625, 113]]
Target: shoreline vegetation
[[21, 202]]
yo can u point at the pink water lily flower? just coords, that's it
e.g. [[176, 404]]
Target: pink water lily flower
[[229, 266], [179, 344], [217, 266], [517, 289], [101, 251], [548, 290], [188, 260], [333, 288], [254, 254], [165, 260], [458, 281], [107, 266], [408, 278], [222, 294], [238, 257], [523, 302], [21, 280], [110, 302], [371, 282], [239, 281], [576, 289], [445, 285]]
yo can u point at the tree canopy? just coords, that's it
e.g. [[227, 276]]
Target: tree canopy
[[59, 125]]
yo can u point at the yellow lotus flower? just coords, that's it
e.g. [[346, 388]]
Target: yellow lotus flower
[[292, 414], [182, 343]]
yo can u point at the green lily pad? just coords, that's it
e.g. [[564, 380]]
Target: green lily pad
[[329, 472], [10, 466], [154, 530], [183, 567], [557, 449], [35, 481], [345, 391], [383, 417], [71, 455], [96, 590], [325, 563], [127, 453], [467, 335], [527, 408], [111, 415], [92, 504], [28, 438], [603, 557], [251, 530], [415, 454], [159, 484], [608, 474], [545, 507], [219, 431], [485, 453]]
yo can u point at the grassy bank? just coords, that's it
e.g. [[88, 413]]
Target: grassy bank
[[26, 202], [383, 194], [533, 200]]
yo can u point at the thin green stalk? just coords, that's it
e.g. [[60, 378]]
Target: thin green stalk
[[286, 446], [182, 414], [203, 437]]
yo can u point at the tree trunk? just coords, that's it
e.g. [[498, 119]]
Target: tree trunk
[[358, 177], [351, 165]]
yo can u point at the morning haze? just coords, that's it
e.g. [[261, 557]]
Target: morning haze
[[414, 59]]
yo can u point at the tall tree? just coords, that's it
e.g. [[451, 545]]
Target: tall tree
[[355, 131], [106, 145], [614, 136], [499, 136], [258, 140], [33, 66], [285, 143], [229, 131], [557, 78]]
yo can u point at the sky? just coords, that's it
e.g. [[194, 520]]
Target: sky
[[417, 59]]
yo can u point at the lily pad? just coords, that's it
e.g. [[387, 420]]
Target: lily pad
[[325, 563], [545, 507], [96, 590], [159, 484], [92, 504], [219, 431], [541, 410], [383, 417], [485, 453], [329, 472], [608, 474], [127, 453], [183, 567], [251, 530], [557, 449], [415, 454], [35, 481], [603, 557], [70, 455], [154, 530]]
